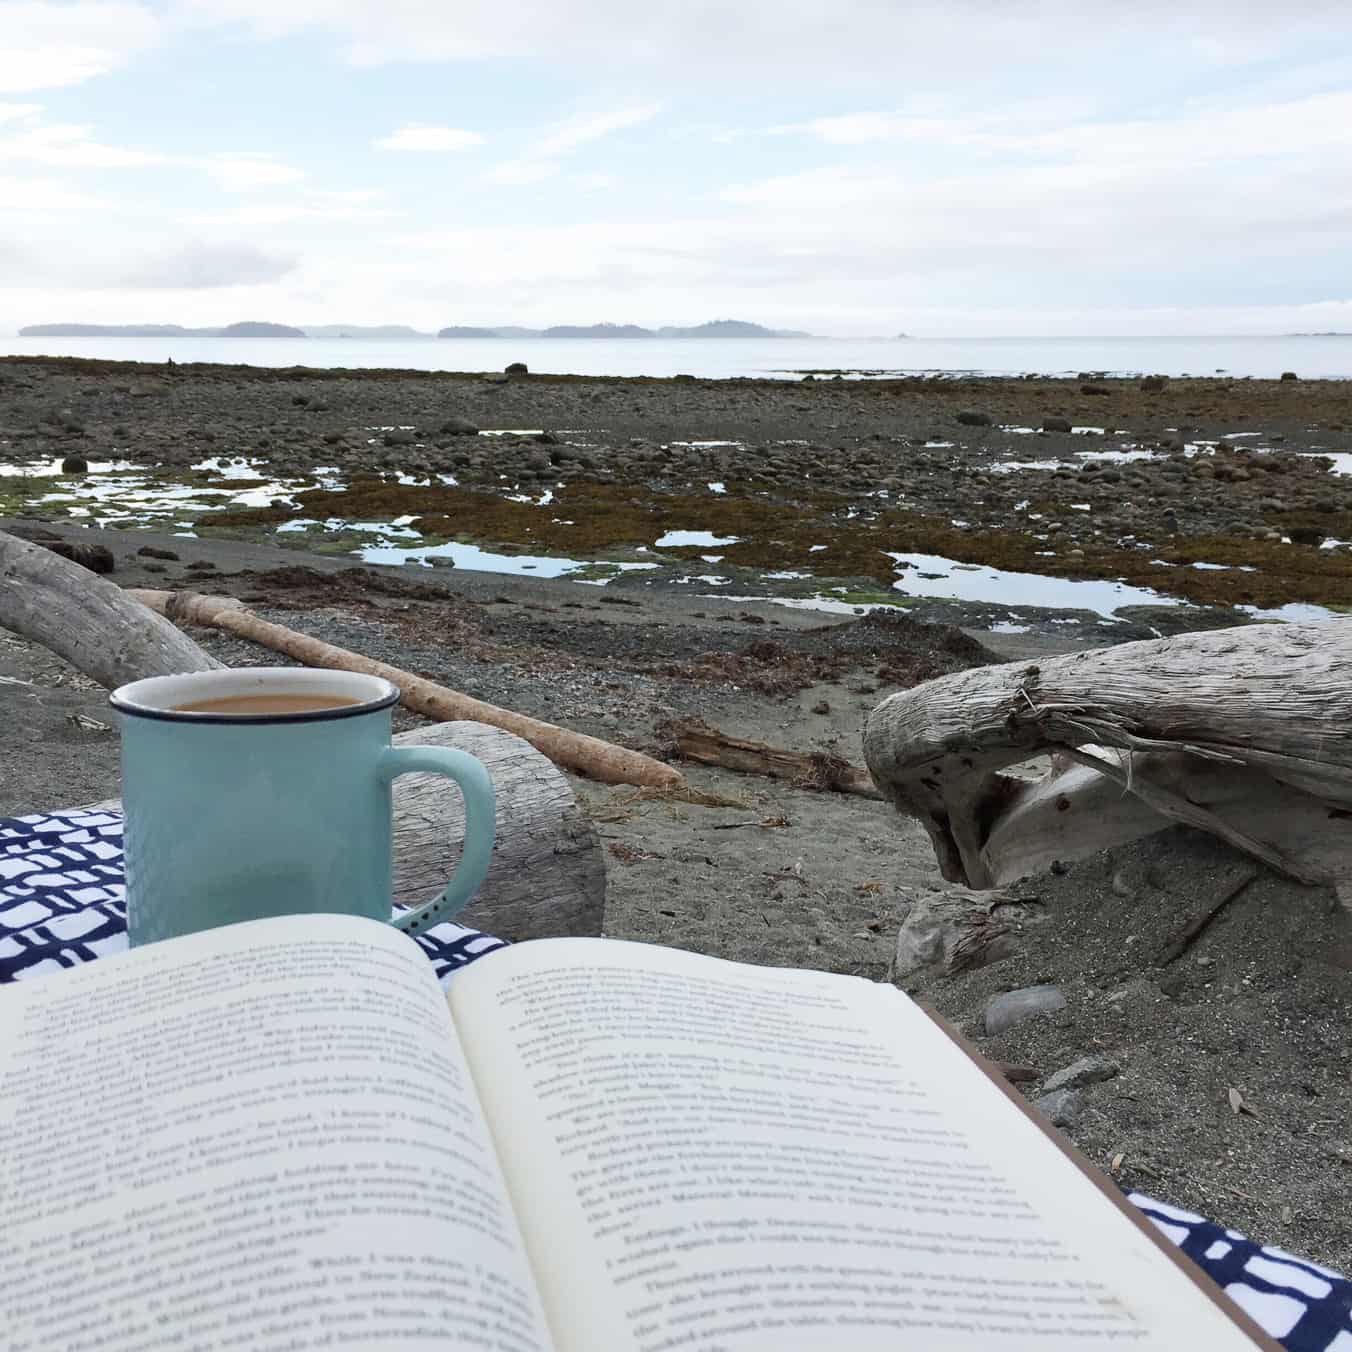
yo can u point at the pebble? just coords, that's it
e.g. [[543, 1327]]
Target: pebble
[[1010, 1008], [1062, 1108], [1087, 1070], [1056, 424], [970, 417]]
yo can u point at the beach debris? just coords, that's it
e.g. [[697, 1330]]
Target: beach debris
[[1192, 931], [1245, 733], [959, 928], [88, 724], [92, 623], [590, 756], [693, 739], [1238, 1104]]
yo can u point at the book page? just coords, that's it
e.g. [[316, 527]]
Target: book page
[[709, 1156], [260, 1138]]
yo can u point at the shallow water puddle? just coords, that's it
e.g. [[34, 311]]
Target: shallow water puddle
[[935, 576], [1123, 457], [705, 538], [477, 560], [51, 469]]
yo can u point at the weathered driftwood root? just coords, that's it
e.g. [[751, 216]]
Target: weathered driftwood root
[[1246, 733], [696, 741], [548, 874], [573, 750], [93, 624]]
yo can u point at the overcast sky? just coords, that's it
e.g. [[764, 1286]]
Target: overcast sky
[[845, 166]]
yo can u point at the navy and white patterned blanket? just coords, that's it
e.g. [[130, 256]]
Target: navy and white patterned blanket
[[61, 904]]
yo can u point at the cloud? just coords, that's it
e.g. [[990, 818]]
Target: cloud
[[199, 267], [72, 145], [313, 207], [68, 145], [46, 45], [417, 136], [44, 194], [50, 263], [766, 42], [13, 112], [517, 172], [243, 171], [579, 131], [542, 160]]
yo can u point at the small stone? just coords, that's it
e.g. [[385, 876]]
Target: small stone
[[74, 464], [399, 438], [971, 417], [517, 368], [460, 427], [154, 552], [1087, 1070], [1010, 1008], [1056, 424], [496, 378], [201, 566], [154, 568], [1061, 1108], [821, 707], [441, 561]]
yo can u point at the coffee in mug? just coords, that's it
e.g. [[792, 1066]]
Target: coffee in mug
[[243, 706]]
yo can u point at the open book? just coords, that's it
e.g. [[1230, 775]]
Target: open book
[[278, 1135]]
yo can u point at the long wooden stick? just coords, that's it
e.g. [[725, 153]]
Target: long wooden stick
[[573, 750], [698, 742]]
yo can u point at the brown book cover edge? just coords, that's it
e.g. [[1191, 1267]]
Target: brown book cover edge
[[1236, 1315]]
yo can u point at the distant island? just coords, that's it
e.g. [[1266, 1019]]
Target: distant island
[[717, 328], [248, 329]]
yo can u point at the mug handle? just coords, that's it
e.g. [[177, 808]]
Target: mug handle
[[480, 826]]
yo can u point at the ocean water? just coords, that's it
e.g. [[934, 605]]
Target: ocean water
[[1313, 357]]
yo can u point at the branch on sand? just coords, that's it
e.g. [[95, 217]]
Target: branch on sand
[[697, 741], [574, 751]]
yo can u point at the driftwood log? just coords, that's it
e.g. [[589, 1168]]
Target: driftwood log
[[91, 623], [548, 875], [695, 740], [575, 751], [1246, 733]]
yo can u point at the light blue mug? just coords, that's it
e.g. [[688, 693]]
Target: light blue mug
[[239, 816]]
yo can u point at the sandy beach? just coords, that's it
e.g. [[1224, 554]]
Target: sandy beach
[[826, 481]]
